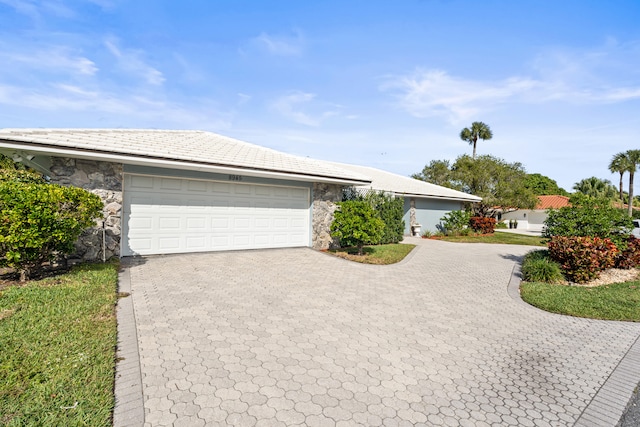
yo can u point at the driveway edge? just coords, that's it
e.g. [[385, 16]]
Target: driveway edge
[[129, 403], [610, 402]]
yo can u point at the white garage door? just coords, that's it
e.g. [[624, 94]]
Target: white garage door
[[165, 215]]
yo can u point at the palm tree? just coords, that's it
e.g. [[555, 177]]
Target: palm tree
[[619, 164], [596, 187], [477, 131], [633, 160]]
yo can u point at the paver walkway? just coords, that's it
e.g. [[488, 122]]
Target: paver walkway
[[296, 337]]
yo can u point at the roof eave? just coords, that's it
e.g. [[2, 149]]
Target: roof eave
[[475, 199], [129, 159]]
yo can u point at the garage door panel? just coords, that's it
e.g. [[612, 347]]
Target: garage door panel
[[141, 223], [196, 242], [262, 223], [242, 240], [262, 191], [197, 223], [141, 182], [172, 215], [242, 189], [241, 223], [169, 223], [170, 184], [222, 188], [169, 243], [197, 186], [220, 223]]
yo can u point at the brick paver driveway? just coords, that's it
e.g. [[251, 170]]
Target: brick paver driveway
[[296, 337]]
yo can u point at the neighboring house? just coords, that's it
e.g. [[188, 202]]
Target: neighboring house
[[533, 219], [424, 203], [186, 191]]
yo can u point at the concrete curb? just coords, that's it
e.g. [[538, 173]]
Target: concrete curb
[[129, 403]]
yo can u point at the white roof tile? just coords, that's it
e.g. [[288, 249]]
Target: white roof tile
[[391, 182], [198, 147]]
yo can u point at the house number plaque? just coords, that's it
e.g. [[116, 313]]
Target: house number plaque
[[235, 177]]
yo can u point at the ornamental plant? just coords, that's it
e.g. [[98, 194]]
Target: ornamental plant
[[538, 267], [629, 257], [583, 258], [482, 224], [455, 222], [356, 223], [39, 222]]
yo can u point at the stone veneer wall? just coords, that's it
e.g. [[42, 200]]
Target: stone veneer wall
[[105, 180], [325, 197]]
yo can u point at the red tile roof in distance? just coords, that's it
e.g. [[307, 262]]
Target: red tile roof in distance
[[552, 202]]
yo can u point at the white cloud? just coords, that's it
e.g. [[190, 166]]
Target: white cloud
[[281, 45], [52, 58], [131, 61], [133, 109], [291, 106], [35, 9], [582, 78], [436, 93]]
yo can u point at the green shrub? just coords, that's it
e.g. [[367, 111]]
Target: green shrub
[[456, 223], [589, 217], [538, 267], [356, 223], [482, 224], [583, 258], [390, 210], [501, 225], [40, 221]]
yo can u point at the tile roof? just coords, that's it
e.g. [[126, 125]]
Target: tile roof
[[185, 147], [387, 181], [552, 202]]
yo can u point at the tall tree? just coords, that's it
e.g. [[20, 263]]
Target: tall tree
[[620, 164], [633, 160], [478, 130], [543, 185], [596, 187], [498, 183], [436, 172]]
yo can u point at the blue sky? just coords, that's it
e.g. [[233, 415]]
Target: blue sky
[[377, 83]]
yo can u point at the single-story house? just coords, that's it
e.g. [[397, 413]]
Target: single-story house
[[533, 219], [186, 191], [424, 203], [193, 191]]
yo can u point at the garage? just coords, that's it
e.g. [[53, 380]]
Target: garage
[[179, 191], [164, 215]]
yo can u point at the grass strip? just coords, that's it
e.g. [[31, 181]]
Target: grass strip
[[497, 238], [58, 338], [381, 254], [619, 301]]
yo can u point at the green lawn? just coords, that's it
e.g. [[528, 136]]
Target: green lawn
[[58, 339], [620, 301], [381, 254], [505, 238]]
